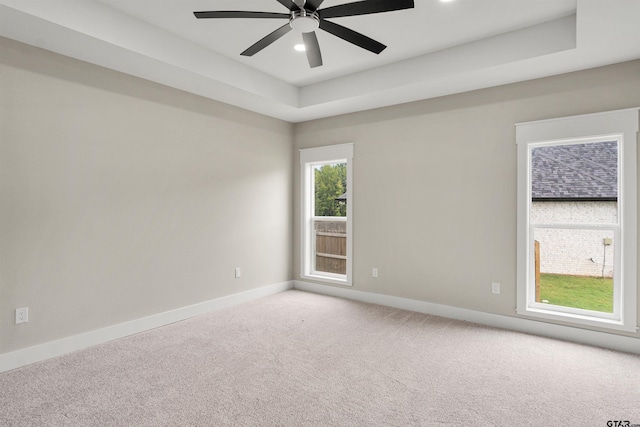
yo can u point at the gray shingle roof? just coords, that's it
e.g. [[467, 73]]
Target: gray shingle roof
[[575, 172]]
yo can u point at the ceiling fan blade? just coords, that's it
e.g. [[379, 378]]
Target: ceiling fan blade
[[313, 5], [312, 48], [289, 4], [239, 14], [352, 36], [266, 41], [365, 8]]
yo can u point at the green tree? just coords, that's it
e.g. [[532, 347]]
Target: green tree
[[330, 183]]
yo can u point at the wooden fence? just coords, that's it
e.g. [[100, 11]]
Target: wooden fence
[[331, 246]]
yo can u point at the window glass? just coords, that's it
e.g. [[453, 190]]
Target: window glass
[[330, 188], [574, 268], [574, 183]]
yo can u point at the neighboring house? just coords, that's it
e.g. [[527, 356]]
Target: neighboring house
[[574, 184]]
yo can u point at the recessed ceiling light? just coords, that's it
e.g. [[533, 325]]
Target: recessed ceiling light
[[299, 47]]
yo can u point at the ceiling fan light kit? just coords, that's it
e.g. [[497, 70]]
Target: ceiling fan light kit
[[304, 21], [305, 17]]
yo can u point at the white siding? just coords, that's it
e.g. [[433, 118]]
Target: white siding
[[576, 252]]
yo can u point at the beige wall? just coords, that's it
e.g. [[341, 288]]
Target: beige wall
[[121, 198], [435, 183]]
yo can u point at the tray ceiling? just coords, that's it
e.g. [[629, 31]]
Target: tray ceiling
[[437, 48]]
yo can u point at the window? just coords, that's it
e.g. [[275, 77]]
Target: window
[[326, 213], [577, 232]]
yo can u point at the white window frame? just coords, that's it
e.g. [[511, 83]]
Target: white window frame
[[309, 158], [621, 126]]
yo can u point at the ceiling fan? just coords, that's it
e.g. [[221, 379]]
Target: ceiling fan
[[305, 17]]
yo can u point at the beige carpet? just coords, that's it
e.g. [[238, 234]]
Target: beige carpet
[[300, 359]]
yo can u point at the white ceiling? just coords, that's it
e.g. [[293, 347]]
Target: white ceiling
[[434, 49]]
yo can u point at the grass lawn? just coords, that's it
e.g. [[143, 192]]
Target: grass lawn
[[588, 293]]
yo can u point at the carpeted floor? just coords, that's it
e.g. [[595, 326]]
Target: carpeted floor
[[301, 359]]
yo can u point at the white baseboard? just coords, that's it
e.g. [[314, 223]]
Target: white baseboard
[[566, 333], [62, 346], [51, 349]]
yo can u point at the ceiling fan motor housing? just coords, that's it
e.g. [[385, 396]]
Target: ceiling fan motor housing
[[304, 21]]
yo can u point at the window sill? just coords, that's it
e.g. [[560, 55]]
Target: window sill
[[326, 279], [576, 319]]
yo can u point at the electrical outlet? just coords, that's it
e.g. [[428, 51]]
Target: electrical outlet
[[238, 272], [495, 288], [374, 272], [22, 315]]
